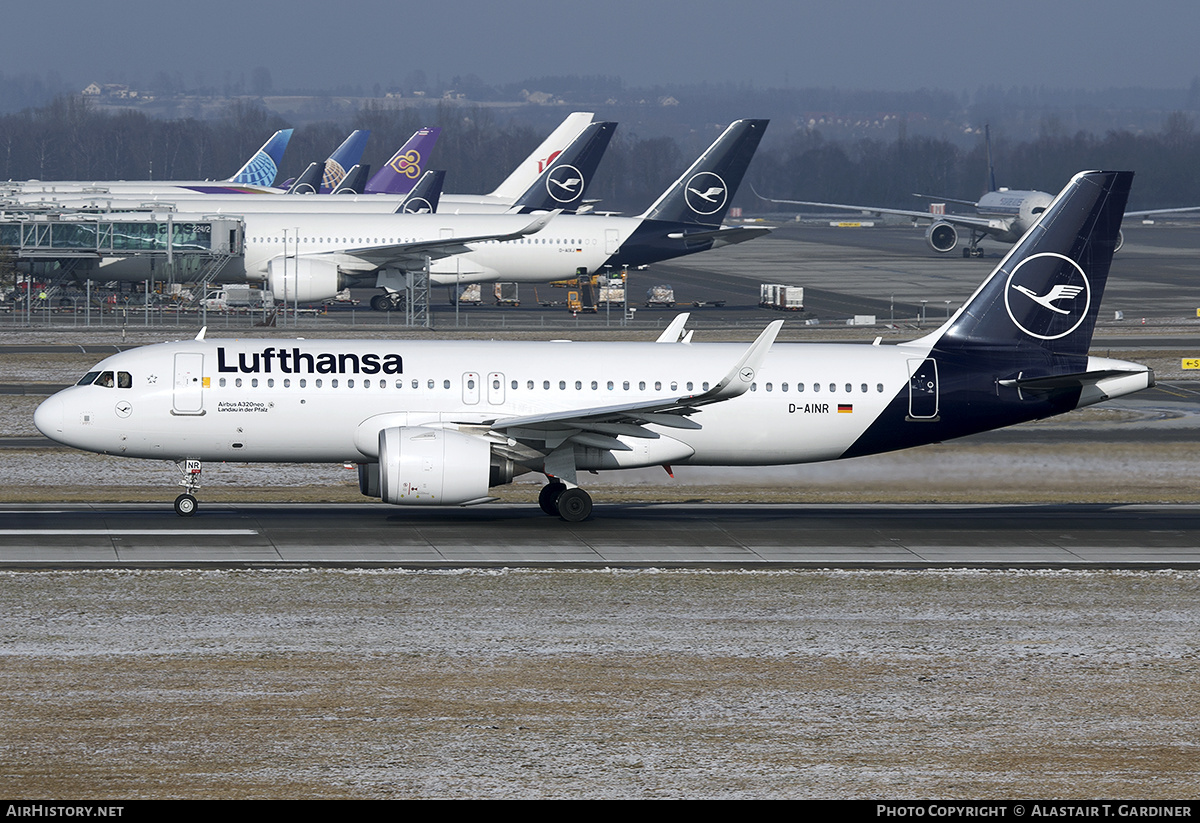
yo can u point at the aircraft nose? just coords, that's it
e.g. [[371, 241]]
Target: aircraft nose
[[49, 417]]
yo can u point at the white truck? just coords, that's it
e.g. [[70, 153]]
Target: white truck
[[239, 296]]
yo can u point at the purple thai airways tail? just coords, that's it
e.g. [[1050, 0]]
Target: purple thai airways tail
[[343, 159], [401, 173]]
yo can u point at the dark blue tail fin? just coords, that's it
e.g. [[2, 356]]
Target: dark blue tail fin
[[565, 180], [310, 181], [702, 195], [424, 197], [401, 172], [1045, 294], [344, 157], [262, 168], [354, 180]]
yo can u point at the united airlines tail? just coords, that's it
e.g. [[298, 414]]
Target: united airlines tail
[[703, 194], [564, 182], [262, 168], [401, 172], [344, 157]]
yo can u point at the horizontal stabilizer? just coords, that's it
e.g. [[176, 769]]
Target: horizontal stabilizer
[[1069, 381]]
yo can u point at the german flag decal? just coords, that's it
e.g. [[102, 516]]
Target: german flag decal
[[845, 408]]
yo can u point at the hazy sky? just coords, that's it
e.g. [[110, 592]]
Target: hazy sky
[[871, 44]]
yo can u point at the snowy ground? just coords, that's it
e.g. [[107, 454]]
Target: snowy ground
[[611, 684], [607, 684]]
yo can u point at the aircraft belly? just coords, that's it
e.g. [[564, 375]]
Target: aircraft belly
[[779, 428]]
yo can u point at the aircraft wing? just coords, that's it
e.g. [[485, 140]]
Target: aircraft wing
[[1152, 212], [982, 223], [416, 252], [972, 203], [599, 426]]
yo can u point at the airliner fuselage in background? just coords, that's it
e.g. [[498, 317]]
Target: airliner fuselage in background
[[312, 257], [438, 423]]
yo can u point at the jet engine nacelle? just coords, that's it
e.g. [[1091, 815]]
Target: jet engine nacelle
[[421, 466], [942, 237], [304, 280]]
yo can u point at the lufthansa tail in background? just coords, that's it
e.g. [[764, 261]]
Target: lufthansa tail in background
[[440, 422]]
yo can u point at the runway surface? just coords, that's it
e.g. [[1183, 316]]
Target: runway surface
[[886, 271], [621, 535]]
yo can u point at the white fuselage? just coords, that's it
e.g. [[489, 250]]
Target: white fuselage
[[568, 243], [191, 202], [325, 401], [1013, 211]]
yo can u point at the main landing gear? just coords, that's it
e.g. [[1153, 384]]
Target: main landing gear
[[973, 250], [572, 504], [389, 301], [185, 504]]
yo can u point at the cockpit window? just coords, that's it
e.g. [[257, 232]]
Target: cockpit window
[[88, 379], [105, 379], [124, 380]]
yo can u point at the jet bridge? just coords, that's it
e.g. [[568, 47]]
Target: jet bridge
[[74, 235], [83, 245]]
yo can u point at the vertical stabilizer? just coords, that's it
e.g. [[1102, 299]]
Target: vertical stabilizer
[[309, 181], [1044, 296], [703, 193], [404, 169], [565, 181], [424, 197], [344, 157], [531, 167], [354, 180], [262, 168]]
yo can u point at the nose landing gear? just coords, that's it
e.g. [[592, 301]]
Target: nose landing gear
[[185, 504]]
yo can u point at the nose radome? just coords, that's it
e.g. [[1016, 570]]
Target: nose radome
[[49, 417]]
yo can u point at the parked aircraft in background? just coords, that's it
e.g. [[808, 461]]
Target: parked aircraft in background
[[1002, 214], [384, 192], [439, 423], [332, 172], [309, 257], [256, 175], [576, 162]]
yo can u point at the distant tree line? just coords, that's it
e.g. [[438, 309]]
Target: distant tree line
[[70, 139]]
